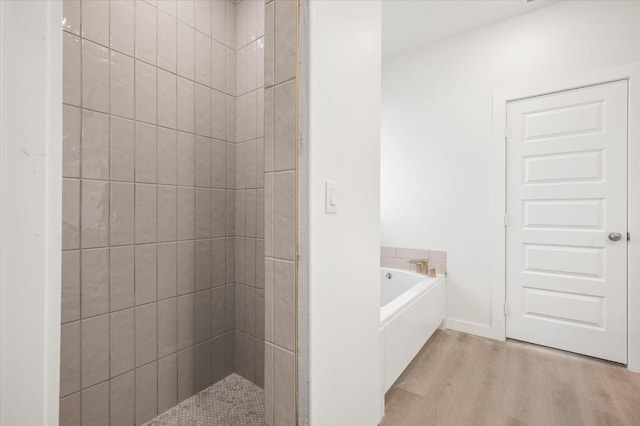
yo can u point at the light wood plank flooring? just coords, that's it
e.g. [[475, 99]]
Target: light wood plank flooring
[[459, 379]]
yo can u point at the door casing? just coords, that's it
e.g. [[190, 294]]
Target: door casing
[[498, 200]]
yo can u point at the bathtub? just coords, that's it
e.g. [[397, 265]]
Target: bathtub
[[412, 308]]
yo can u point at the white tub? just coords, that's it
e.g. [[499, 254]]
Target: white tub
[[412, 308]]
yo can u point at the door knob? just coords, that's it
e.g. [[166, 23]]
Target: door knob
[[615, 236]]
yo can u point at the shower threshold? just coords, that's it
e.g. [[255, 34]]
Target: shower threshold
[[232, 401]]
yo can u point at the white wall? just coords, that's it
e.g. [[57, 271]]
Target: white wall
[[344, 145], [30, 222], [437, 129]]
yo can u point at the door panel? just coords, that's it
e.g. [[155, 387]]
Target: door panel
[[566, 191]]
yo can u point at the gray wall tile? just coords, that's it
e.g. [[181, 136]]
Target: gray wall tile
[[146, 213], [167, 270], [218, 355], [203, 213], [284, 155], [122, 213], [230, 363], [268, 383], [122, 85], [186, 50], [245, 355], [285, 41], [95, 405], [203, 315], [218, 262], [186, 373], [250, 262], [218, 164], [95, 77], [202, 111], [146, 392], [185, 159], [122, 149], [250, 310], [167, 146], [284, 369], [95, 282], [186, 105], [230, 306], [70, 358], [145, 273], [145, 30], [95, 22], [95, 350], [167, 213], [186, 318], [122, 341], [269, 45], [71, 132], [203, 365], [121, 277], [70, 410], [70, 214], [218, 303], [146, 334], [186, 266], [218, 115], [284, 304], [122, 412], [218, 213], [95, 214], [145, 92], [95, 145], [260, 314], [167, 327], [122, 16], [167, 101], [167, 38], [260, 348], [70, 286], [186, 213], [203, 264], [167, 382], [146, 153], [284, 212], [71, 74]]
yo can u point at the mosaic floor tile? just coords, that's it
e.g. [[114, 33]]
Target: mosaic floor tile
[[233, 401]]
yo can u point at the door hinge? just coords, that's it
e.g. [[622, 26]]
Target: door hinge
[[506, 220], [505, 309], [507, 132]]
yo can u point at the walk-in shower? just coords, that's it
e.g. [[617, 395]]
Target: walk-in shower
[[179, 138]]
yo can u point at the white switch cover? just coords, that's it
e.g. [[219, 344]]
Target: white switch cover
[[331, 194]]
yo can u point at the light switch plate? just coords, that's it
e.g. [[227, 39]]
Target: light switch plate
[[331, 197]]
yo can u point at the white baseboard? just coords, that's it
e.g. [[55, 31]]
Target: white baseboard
[[470, 327]]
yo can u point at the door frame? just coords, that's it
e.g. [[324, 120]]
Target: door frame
[[498, 200]]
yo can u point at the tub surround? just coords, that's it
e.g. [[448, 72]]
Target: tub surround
[[396, 257]]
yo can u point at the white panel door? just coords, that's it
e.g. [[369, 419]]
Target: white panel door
[[566, 192]]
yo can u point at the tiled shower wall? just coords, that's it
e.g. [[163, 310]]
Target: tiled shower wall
[[249, 194], [280, 166], [148, 205]]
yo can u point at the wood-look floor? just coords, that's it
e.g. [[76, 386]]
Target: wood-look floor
[[459, 379]]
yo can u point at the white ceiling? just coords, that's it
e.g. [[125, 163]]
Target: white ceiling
[[410, 24]]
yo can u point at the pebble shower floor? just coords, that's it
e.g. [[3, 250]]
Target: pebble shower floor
[[233, 401]]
